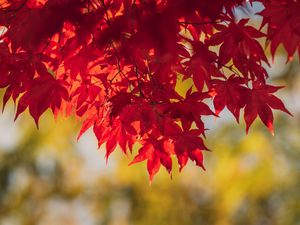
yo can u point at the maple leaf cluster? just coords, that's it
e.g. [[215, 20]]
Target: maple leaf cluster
[[116, 65]]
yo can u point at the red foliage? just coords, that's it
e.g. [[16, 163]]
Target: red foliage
[[115, 64]]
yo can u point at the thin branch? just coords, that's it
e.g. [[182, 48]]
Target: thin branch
[[198, 23]]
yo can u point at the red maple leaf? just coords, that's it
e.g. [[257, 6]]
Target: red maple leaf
[[283, 21], [238, 39], [157, 153], [229, 93], [189, 145], [260, 101], [45, 92]]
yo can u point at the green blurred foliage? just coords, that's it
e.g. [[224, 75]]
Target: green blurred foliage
[[46, 177]]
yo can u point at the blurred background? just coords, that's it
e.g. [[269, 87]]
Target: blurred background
[[48, 178]]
